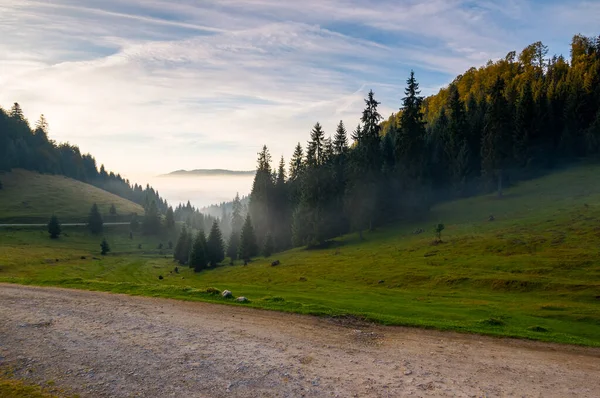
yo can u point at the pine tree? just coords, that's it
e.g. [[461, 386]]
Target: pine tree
[[496, 143], [151, 222], [248, 246], [54, 228], [297, 163], [104, 247], [261, 204], [182, 247], [237, 220], [340, 140], [170, 219], [198, 259], [268, 247], [525, 125], [456, 143], [233, 246], [95, 222], [113, 210], [215, 250], [411, 134], [134, 224]]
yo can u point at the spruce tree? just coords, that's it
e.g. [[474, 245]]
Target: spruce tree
[[262, 195], [182, 247], [134, 223], [104, 247], [95, 222], [215, 250], [54, 228], [151, 223], [411, 134], [340, 140], [497, 143], [233, 246], [248, 246], [170, 219], [268, 247], [237, 220], [198, 257]]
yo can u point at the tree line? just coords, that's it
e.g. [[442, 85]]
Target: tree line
[[32, 149], [510, 119]]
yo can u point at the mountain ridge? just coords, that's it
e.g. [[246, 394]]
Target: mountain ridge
[[208, 172]]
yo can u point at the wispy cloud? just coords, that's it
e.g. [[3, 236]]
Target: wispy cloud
[[156, 85]]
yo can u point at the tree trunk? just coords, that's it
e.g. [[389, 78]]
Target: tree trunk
[[500, 183], [360, 234]]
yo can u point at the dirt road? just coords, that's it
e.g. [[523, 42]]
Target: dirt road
[[104, 345]]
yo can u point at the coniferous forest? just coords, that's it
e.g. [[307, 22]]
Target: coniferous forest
[[32, 149], [511, 119]]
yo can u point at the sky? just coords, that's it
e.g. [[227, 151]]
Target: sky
[[153, 86]]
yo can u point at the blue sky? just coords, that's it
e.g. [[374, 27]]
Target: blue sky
[[153, 86]]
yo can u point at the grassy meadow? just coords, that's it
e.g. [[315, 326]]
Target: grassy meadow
[[532, 273], [29, 197]]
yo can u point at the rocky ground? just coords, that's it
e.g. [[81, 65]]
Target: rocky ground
[[106, 345]]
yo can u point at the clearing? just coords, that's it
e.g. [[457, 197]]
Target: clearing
[[533, 273], [106, 345]]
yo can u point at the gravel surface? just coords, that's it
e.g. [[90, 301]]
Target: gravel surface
[[107, 345]]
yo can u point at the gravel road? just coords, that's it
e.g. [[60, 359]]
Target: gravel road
[[108, 345]]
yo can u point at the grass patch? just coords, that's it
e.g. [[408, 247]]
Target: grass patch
[[29, 197]]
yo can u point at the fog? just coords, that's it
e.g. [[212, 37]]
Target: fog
[[199, 190]]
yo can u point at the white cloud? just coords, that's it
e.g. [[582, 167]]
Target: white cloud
[[156, 85]]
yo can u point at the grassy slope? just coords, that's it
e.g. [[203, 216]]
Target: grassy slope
[[32, 198], [533, 273]]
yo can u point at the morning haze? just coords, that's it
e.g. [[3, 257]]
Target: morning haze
[[320, 198]]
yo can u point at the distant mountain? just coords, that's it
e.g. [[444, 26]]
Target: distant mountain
[[209, 172]]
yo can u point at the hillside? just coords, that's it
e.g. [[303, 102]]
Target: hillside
[[209, 172], [533, 272], [29, 197]]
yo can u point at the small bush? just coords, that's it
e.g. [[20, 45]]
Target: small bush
[[274, 299], [213, 291], [492, 322], [538, 329]]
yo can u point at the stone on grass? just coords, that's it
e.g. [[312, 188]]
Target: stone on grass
[[241, 299], [226, 294]]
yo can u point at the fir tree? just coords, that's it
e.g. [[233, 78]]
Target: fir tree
[[104, 247], [151, 222], [134, 224], [54, 228], [411, 135], [170, 219], [182, 247], [297, 163], [237, 220], [95, 222], [214, 247], [233, 246], [268, 247], [198, 257], [340, 140], [248, 246], [496, 144]]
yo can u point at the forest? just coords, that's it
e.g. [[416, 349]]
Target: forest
[[32, 149], [512, 119]]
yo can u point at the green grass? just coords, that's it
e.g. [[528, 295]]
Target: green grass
[[29, 197], [13, 388], [533, 273]]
